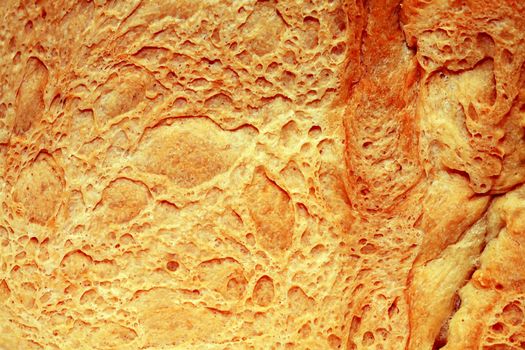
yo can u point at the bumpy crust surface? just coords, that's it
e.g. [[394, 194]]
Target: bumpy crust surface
[[246, 174]]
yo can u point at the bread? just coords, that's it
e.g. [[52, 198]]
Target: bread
[[340, 174]]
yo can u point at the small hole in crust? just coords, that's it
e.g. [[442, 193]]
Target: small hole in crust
[[315, 131], [498, 327], [172, 265]]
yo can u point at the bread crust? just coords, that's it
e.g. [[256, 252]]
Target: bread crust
[[247, 174]]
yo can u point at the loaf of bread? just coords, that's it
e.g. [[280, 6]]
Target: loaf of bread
[[272, 174]]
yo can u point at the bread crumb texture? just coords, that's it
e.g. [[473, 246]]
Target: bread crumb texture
[[241, 174]]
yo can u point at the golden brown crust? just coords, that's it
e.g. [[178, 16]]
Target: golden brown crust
[[262, 174]]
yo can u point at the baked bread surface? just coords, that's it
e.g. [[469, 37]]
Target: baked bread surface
[[340, 174]]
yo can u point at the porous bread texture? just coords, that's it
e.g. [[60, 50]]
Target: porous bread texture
[[245, 174]]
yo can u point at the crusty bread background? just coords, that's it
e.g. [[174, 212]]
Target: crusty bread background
[[262, 174]]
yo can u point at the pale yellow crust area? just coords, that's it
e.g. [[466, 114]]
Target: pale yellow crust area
[[219, 174]]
